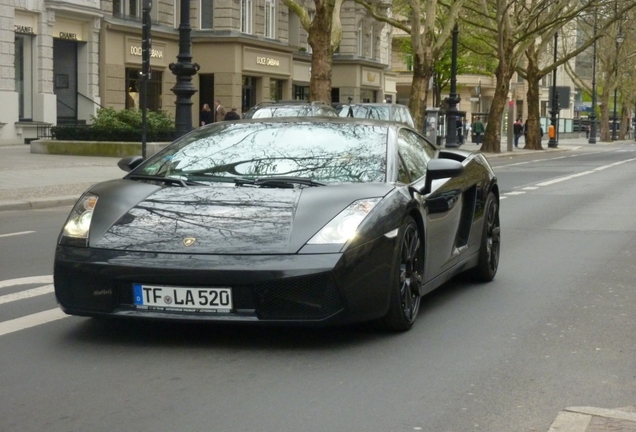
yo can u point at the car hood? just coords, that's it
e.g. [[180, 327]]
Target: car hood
[[219, 219]]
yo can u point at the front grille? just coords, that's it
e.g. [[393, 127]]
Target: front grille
[[305, 297]]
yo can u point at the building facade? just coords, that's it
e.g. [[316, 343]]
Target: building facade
[[48, 65], [62, 60]]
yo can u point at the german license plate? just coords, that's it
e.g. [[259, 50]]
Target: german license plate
[[169, 298]]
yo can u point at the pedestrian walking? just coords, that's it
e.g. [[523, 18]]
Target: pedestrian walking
[[206, 115], [219, 111], [478, 130], [517, 129]]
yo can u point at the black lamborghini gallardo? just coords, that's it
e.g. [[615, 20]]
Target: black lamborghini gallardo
[[289, 220]]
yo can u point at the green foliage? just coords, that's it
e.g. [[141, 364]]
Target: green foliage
[[123, 125]]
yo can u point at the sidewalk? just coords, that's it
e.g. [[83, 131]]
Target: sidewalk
[[34, 181], [590, 419]]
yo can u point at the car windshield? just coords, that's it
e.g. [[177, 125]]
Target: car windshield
[[365, 111], [325, 152], [290, 111]]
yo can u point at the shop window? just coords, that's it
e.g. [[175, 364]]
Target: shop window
[[133, 90], [246, 16], [207, 14], [24, 75], [248, 94], [276, 90], [270, 19], [368, 96], [301, 92]]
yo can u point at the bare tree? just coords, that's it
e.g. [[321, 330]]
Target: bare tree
[[429, 24], [615, 62], [324, 35]]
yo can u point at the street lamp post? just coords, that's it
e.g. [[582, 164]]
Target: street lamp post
[[555, 99], [453, 98], [184, 69], [619, 41], [592, 137]]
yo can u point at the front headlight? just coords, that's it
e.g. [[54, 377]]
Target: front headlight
[[79, 221], [343, 227]]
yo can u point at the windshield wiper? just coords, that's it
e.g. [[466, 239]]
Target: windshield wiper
[[281, 181], [167, 180]]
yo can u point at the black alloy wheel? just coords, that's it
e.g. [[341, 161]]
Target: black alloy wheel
[[405, 295], [486, 269]]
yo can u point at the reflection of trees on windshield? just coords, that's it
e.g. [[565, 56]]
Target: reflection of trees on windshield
[[367, 112], [325, 152]]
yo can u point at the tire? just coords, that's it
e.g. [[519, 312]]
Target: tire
[[489, 250], [407, 280]]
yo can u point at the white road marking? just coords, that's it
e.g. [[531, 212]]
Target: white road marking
[[530, 188], [561, 179], [27, 280], [17, 233], [46, 289], [514, 193], [29, 321]]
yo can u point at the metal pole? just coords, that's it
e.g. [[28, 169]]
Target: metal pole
[[453, 98], [555, 99], [184, 69], [592, 137], [146, 47]]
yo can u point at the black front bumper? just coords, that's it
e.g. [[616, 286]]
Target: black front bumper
[[316, 288]]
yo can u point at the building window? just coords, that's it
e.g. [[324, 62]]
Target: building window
[[409, 62], [246, 16], [133, 89], [312, 15], [127, 8], [360, 35], [294, 28], [24, 75], [270, 19], [371, 45], [207, 14]]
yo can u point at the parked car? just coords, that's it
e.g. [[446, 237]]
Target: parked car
[[379, 111], [290, 220], [290, 109]]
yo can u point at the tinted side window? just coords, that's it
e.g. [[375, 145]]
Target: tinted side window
[[414, 154]]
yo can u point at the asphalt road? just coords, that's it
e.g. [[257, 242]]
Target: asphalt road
[[554, 329]]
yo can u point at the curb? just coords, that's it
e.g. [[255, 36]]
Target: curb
[[577, 419], [38, 203]]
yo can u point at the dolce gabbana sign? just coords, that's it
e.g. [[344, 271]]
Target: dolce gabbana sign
[[267, 61], [133, 52], [154, 53]]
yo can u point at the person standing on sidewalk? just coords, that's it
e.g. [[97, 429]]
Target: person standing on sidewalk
[[219, 115], [517, 129]]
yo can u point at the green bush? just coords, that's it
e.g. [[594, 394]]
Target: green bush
[[123, 125]]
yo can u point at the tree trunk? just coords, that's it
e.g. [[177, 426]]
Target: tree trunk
[[533, 127], [492, 137], [419, 95], [319, 39], [604, 120]]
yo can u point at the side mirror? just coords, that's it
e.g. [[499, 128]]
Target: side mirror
[[129, 163], [441, 168]]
